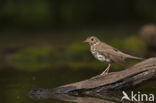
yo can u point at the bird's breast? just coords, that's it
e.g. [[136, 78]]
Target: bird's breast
[[100, 57]]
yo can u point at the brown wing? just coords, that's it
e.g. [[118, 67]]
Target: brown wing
[[113, 55], [116, 51]]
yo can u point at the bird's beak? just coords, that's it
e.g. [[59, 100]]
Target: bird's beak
[[85, 41]]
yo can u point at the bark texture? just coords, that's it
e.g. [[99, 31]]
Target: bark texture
[[127, 78], [112, 82]]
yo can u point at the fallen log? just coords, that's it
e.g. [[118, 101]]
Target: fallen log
[[114, 81]]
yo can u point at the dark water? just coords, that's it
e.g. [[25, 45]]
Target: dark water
[[15, 85]]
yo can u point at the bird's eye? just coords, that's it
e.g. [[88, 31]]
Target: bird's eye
[[92, 39]]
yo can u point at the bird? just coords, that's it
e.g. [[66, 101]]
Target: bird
[[108, 54]]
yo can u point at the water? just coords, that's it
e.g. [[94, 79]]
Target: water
[[15, 85]]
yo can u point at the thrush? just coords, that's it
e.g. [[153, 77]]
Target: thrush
[[106, 53]]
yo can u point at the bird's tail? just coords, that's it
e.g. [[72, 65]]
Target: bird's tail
[[133, 57]]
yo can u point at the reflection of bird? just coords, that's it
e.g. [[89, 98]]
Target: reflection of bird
[[105, 53], [125, 96]]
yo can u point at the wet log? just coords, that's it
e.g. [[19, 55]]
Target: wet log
[[114, 81], [127, 78]]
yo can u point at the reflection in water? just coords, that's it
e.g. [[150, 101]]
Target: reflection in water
[[106, 97], [15, 85], [40, 94], [87, 100]]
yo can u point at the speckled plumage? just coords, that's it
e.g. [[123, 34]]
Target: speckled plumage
[[105, 53], [98, 55]]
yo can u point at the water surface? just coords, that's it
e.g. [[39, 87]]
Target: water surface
[[15, 85]]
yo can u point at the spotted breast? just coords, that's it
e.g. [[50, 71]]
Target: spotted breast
[[100, 57], [97, 55]]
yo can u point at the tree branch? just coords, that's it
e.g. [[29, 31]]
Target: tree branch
[[114, 81]]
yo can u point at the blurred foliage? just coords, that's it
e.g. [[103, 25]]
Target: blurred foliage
[[33, 59], [59, 18], [34, 54], [75, 55], [31, 66], [134, 45], [146, 9], [53, 13], [78, 52], [77, 48], [117, 43]]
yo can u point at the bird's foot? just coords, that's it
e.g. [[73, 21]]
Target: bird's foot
[[104, 73], [98, 76]]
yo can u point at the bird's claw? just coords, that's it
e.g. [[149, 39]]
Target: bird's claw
[[98, 76]]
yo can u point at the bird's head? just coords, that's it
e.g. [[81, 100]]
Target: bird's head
[[91, 40]]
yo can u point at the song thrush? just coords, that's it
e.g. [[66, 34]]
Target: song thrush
[[105, 53]]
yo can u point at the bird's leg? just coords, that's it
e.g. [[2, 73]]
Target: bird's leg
[[106, 70]]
